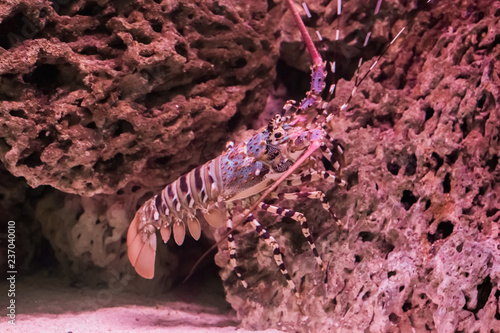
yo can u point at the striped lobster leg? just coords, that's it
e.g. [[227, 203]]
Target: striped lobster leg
[[278, 257], [304, 195], [313, 176], [232, 251], [334, 156], [299, 217]]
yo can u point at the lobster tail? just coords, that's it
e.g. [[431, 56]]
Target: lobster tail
[[194, 227], [141, 241], [179, 230]]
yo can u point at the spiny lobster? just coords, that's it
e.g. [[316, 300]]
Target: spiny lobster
[[292, 147]]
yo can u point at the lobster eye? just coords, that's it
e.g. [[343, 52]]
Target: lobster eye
[[277, 135]]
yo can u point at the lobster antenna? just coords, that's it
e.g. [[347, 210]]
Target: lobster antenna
[[333, 65], [381, 55], [315, 56], [367, 40], [358, 83]]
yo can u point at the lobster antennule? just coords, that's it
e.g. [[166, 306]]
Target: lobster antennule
[[141, 248]]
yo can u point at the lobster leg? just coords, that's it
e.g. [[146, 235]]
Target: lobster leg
[[232, 251], [303, 195], [334, 156], [299, 217], [278, 258], [312, 176]]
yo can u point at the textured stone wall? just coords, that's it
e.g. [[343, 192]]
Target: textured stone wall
[[97, 94], [418, 246], [107, 102]]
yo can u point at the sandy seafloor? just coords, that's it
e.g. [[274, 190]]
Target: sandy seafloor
[[46, 304]]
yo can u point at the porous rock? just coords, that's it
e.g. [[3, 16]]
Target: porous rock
[[96, 95], [107, 102], [418, 246]]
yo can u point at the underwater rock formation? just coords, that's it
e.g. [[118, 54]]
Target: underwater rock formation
[[108, 101], [418, 246], [96, 95]]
